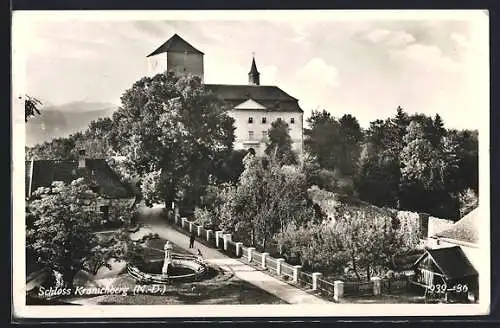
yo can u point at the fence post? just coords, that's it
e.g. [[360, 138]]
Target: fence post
[[199, 231], [183, 222], [239, 245], [296, 272], [176, 214], [316, 276], [209, 232], [264, 257], [250, 250], [227, 238], [279, 263], [338, 290], [217, 236], [409, 278], [191, 226], [376, 285]]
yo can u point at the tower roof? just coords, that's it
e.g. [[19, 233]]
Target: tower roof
[[176, 44], [253, 69]]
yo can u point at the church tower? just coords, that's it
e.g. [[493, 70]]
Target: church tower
[[253, 75]]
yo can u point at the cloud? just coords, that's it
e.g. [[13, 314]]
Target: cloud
[[316, 71], [391, 38], [429, 56], [460, 39]]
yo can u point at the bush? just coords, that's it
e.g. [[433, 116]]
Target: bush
[[204, 217]]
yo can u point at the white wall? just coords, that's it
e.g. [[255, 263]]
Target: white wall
[[176, 62], [243, 128]]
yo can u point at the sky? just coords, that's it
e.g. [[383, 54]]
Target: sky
[[364, 66]]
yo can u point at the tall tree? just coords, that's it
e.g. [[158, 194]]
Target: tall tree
[[350, 139], [171, 129], [426, 173], [279, 144], [321, 139]]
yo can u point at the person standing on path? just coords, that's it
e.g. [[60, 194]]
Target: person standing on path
[[191, 240]]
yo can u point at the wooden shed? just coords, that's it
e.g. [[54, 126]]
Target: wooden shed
[[447, 273]]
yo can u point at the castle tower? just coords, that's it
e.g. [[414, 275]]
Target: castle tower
[[253, 75], [178, 56]]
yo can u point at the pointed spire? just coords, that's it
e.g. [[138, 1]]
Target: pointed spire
[[253, 75]]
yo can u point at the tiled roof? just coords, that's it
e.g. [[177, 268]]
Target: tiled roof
[[176, 44], [96, 171], [451, 261], [271, 97], [465, 229]]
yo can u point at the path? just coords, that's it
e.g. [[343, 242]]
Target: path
[[290, 294]]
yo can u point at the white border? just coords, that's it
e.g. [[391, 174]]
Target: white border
[[479, 17]]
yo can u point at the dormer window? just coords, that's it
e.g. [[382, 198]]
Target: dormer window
[[250, 120]]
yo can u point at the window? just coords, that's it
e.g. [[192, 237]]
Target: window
[[264, 120], [292, 120], [250, 135], [250, 120], [264, 135]]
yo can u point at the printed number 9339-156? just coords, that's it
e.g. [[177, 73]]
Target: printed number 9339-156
[[443, 288]]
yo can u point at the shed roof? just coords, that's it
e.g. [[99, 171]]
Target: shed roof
[[42, 173], [451, 261]]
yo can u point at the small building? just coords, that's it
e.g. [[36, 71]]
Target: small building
[[254, 107], [447, 273], [96, 172]]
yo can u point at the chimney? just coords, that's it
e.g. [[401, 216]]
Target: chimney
[[81, 159]]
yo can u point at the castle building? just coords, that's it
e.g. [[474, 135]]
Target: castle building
[[253, 106]]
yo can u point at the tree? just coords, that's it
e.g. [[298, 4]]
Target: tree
[[468, 201], [59, 231], [321, 139], [427, 173], [267, 198], [171, 129], [350, 138], [31, 107], [279, 143]]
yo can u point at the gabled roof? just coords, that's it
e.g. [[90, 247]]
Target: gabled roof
[[451, 261], [249, 104], [45, 172], [466, 229], [271, 97], [176, 44]]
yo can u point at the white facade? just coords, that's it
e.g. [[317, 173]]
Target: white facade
[[179, 63], [251, 131]]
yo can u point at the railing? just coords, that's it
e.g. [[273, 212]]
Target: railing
[[305, 280], [256, 257], [394, 284], [326, 288], [358, 288], [272, 264], [287, 270], [231, 247]]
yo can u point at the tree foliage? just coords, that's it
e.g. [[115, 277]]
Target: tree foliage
[[172, 131], [31, 107], [60, 233], [279, 143]]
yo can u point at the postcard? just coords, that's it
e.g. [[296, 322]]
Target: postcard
[[196, 164]]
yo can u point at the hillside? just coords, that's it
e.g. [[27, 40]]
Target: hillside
[[63, 120]]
